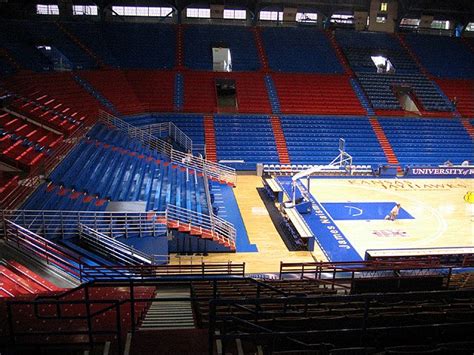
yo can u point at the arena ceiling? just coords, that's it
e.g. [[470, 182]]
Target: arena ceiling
[[461, 10]]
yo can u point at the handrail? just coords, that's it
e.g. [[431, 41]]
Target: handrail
[[48, 251], [216, 171], [137, 273], [211, 222], [112, 247], [64, 224], [66, 260], [169, 129], [349, 271]]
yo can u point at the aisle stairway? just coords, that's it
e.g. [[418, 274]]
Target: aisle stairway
[[210, 137], [77, 41], [280, 140], [412, 54], [180, 47], [339, 53], [384, 143], [176, 314], [469, 127], [260, 48]]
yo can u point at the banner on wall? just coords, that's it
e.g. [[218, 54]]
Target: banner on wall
[[440, 172]]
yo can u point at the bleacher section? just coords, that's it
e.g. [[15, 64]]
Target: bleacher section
[[23, 143], [360, 46], [461, 91], [109, 166], [199, 41], [154, 89], [449, 58], [379, 89], [314, 140], [129, 45], [314, 94], [299, 50], [16, 279], [93, 36], [106, 315], [200, 92], [147, 46], [49, 34], [428, 141], [21, 45], [114, 86], [248, 139], [58, 91]]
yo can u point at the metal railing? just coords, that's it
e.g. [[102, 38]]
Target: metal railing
[[209, 225], [68, 261], [340, 273], [64, 224], [169, 129], [248, 319], [113, 248], [215, 171], [52, 254]]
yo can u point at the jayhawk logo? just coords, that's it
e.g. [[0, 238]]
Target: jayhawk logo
[[469, 197]]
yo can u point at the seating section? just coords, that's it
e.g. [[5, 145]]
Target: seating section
[[460, 91], [139, 45], [92, 35], [299, 50], [203, 291], [8, 181], [16, 279], [252, 96], [359, 47], [428, 141], [315, 140], [109, 166], [199, 41], [20, 43], [6, 66], [23, 143], [49, 327], [154, 89], [58, 93], [129, 45], [380, 90], [245, 138], [49, 34], [335, 322], [449, 58], [200, 92], [115, 87], [315, 94]]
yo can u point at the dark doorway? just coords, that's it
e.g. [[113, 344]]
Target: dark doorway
[[226, 95]]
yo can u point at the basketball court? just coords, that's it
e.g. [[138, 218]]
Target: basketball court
[[433, 215]]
